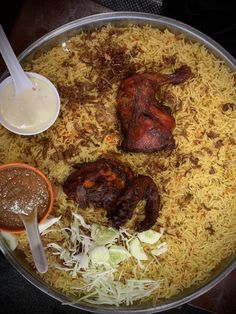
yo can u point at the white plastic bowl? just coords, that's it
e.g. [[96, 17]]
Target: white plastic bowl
[[20, 131]]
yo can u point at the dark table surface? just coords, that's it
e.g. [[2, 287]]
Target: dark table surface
[[34, 19]]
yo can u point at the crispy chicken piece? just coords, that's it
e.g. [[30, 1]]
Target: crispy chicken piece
[[146, 123], [141, 187], [111, 185], [99, 183]]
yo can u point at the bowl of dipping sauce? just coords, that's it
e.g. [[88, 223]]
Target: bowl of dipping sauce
[[22, 189], [31, 112]]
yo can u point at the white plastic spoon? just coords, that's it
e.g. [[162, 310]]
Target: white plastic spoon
[[34, 106], [36, 247], [20, 79]]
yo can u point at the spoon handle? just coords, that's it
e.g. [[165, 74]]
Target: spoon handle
[[20, 79], [37, 250]]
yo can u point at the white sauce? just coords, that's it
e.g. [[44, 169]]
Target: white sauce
[[32, 110]]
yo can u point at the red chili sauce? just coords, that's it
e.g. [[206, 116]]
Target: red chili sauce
[[21, 191]]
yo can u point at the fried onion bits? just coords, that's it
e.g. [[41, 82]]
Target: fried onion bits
[[112, 185]]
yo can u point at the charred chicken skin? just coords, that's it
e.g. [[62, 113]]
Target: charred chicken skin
[[112, 185], [141, 187], [99, 183], [146, 123]]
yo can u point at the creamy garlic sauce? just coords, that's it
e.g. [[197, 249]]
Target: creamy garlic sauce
[[32, 110]]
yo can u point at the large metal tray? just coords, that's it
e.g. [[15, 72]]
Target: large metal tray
[[62, 34]]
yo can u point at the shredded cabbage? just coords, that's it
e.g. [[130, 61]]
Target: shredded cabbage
[[47, 224], [10, 240], [106, 290], [162, 248], [81, 220], [82, 255]]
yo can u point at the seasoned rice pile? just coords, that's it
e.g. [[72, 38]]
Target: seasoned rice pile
[[196, 181]]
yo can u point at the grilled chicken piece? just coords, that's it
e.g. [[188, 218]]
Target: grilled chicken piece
[[99, 183], [141, 187], [147, 124], [111, 185]]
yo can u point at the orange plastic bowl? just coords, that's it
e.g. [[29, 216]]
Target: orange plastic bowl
[[49, 187]]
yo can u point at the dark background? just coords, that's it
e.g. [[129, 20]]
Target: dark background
[[213, 17], [217, 18]]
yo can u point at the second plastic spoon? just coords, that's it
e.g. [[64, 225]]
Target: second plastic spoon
[[36, 247]]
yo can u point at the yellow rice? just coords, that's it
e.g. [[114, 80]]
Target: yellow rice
[[198, 199]]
